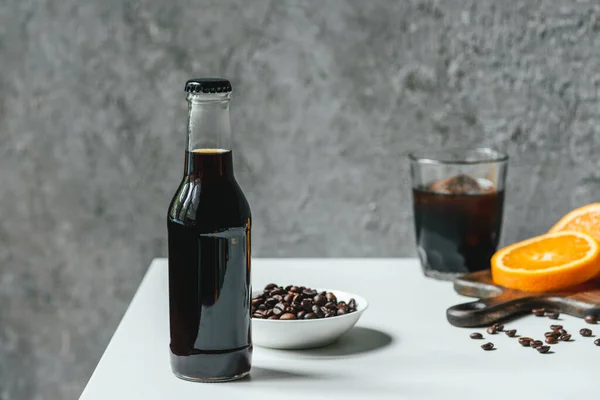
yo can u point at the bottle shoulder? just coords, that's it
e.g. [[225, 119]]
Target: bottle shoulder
[[217, 203]]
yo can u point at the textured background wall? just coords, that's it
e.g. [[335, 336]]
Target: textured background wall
[[329, 97]]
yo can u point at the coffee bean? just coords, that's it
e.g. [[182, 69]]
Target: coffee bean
[[331, 297], [290, 309], [320, 300], [597, 342], [271, 301], [498, 327], [543, 349], [536, 343], [551, 340], [585, 332], [295, 289], [269, 312], [553, 315], [307, 305], [262, 307], [511, 333], [278, 297], [565, 337], [277, 291], [556, 327], [273, 317], [287, 317], [287, 288], [491, 330], [301, 314], [476, 335], [538, 312], [258, 316], [309, 293], [288, 298], [277, 311], [324, 309], [331, 306], [341, 311], [352, 305], [298, 297], [487, 346], [525, 341], [329, 314], [281, 306], [590, 319], [317, 311], [310, 316], [270, 286], [552, 334]]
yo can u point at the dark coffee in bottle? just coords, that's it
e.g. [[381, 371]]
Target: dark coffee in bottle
[[457, 223], [209, 224]]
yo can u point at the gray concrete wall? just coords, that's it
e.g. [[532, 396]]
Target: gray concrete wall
[[329, 96]]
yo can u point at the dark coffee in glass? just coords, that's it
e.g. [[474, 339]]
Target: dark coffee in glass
[[209, 224], [458, 218]]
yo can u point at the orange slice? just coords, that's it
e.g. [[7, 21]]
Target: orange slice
[[584, 219], [549, 262]]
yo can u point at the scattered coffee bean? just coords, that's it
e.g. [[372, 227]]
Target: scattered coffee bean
[[590, 319], [597, 342], [562, 331], [585, 332], [552, 334], [491, 330], [536, 343], [556, 327], [525, 341], [299, 302], [565, 337], [551, 340], [498, 327], [287, 316], [511, 332], [538, 312], [553, 315], [487, 346], [476, 335], [543, 349]]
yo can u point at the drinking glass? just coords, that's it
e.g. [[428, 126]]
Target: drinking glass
[[458, 202]]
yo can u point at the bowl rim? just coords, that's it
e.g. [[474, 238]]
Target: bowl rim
[[361, 305]]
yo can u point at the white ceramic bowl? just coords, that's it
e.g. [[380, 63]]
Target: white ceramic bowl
[[307, 333]]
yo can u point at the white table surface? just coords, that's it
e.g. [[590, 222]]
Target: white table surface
[[402, 348]]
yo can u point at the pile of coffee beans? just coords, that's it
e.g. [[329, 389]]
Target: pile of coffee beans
[[298, 302], [556, 334]]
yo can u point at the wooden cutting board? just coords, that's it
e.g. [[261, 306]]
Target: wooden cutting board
[[497, 303]]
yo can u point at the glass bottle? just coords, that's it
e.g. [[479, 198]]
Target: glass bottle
[[209, 225]]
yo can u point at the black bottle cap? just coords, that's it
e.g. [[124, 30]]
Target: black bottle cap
[[208, 85]]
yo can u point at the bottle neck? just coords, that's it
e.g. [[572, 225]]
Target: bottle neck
[[208, 154]]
